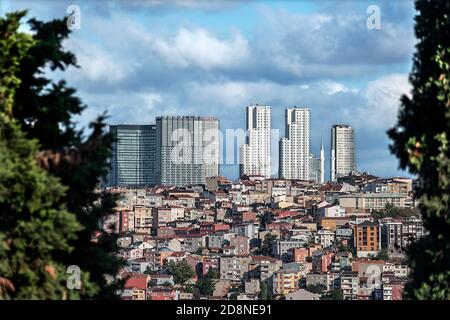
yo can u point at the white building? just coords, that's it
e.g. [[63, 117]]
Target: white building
[[294, 148], [324, 237], [342, 156], [255, 153], [331, 211]]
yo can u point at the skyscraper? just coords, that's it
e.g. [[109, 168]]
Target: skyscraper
[[133, 157], [188, 149], [255, 153], [294, 148], [342, 155]]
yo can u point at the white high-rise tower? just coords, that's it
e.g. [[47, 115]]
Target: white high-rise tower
[[255, 154], [342, 159], [294, 148]]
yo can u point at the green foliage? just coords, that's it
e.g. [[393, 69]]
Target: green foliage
[[50, 219], [35, 227], [333, 294], [206, 285], [391, 211], [316, 288], [181, 271], [382, 255], [266, 249], [213, 273], [263, 291], [420, 141], [345, 248]]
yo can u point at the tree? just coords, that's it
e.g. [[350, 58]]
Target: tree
[[263, 291], [44, 111], [316, 288], [213, 273], [206, 285], [420, 140], [382, 255], [345, 247], [333, 294], [181, 271], [234, 292], [35, 227], [267, 245]]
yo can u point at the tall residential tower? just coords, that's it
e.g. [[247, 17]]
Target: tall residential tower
[[294, 148], [255, 153], [342, 155]]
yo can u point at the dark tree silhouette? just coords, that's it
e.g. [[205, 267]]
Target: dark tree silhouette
[[44, 111], [421, 142]]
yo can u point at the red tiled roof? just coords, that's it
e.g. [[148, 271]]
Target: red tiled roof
[[178, 254], [139, 282]]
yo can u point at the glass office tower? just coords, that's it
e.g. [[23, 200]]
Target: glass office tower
[[188, 149], [133, 157]]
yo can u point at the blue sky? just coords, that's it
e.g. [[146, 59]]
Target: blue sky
[[140, 59]]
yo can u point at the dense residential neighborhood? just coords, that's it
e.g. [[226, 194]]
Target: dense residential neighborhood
[[263, 239]]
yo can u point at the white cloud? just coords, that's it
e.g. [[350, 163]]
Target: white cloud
[[333, 87], [97, 64], [382, 97], [187, 4], [199, 48]]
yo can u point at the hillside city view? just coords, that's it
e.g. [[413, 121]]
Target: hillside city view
[[224, 150]]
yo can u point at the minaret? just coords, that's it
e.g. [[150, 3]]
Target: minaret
[[322, 163]]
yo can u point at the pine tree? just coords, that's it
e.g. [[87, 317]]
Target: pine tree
[[45, 110], [206, 285], [35, 226], [263, 291], [421, 142]]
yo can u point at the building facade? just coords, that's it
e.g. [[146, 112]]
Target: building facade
[[255, 155], [133, 159], [294, 147], [342, 155], [286, 281], [233, 268], [367, 239], [188, 149], [371, 201]]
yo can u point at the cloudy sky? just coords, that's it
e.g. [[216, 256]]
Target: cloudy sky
[[140, 59]]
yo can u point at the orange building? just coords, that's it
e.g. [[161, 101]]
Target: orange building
[[304, 254], [367, 239]]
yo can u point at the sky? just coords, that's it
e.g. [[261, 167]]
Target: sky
[[141, 59]]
